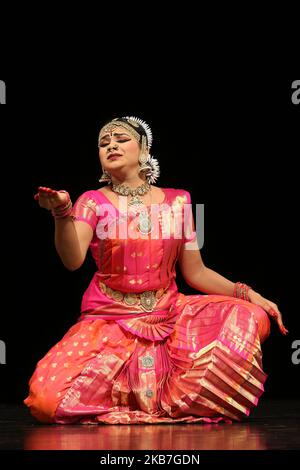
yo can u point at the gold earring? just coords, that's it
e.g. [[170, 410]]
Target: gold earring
[[105, 177], [143, 158]]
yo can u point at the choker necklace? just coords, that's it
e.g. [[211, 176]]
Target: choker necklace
[[134, 193], [145, 224]]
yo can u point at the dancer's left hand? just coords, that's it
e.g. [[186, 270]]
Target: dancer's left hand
[[269, 307]]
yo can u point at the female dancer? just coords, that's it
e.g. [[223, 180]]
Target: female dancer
[[141, 351]]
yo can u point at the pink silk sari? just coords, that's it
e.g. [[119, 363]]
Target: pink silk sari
[[194, 358]]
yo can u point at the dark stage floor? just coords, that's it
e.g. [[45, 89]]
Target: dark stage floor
[[273, 425]]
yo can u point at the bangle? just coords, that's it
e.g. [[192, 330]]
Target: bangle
[[65, 209], [241, 291]]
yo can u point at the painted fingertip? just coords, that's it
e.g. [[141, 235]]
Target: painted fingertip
[[284, 331]]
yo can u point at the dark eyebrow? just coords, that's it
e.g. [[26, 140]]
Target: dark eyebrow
[[115, 134], [122, 133]]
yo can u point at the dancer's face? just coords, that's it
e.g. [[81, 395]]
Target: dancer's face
[[119, 149]]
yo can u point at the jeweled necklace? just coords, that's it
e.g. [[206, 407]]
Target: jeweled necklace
[[136, 203], [134, 193]]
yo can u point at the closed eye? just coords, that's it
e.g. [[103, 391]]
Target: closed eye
[[104, 144]]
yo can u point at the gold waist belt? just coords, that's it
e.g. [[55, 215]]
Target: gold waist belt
[[147, 300]]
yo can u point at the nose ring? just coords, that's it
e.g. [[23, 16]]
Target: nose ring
[[114, 147]]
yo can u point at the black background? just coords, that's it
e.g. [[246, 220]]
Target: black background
[[233, 142]]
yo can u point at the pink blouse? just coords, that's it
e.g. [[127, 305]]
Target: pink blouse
[[138, 262]]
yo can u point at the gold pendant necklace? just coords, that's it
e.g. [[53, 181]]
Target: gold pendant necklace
[[145, 225], [135, 201]]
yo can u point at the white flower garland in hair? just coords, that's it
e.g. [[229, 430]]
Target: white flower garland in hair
[[154, 173], [145, 126]]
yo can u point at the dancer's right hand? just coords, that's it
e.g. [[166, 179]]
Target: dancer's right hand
[[49, 198]]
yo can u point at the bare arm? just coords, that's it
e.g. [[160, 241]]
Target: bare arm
[[72, 238], [201, 278]]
